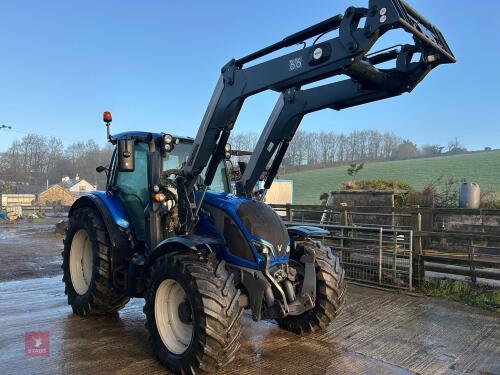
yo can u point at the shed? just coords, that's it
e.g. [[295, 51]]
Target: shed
[[10, 200]]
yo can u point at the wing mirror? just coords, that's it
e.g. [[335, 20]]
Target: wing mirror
[[126, 155]]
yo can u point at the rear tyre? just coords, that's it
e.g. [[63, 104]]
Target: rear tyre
[[330, 290], [192, 312], [87, 266]]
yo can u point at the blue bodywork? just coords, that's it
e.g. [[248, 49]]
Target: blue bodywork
[[224, 201], [227, 202], [307, 230], [114, 207]]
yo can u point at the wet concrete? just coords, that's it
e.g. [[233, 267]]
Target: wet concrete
[[378, 333], [30, 250]]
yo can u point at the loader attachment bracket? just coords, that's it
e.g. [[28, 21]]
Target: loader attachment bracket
[[423, 31]]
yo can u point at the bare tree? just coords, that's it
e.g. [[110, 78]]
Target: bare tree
[[431, 150], [455, 147], [35, 159]]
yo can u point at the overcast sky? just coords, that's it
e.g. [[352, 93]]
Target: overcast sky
[[154, 64]]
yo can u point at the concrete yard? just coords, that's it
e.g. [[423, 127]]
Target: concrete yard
[[379, 332], [30, 250]]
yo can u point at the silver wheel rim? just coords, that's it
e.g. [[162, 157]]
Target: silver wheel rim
[[175, 334], [81, 261]]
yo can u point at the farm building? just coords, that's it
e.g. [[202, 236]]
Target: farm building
[[19, 195], [55, 195], [77, 186], [9, 200], [281, 192]]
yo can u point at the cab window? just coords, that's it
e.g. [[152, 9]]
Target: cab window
[[133, 190]]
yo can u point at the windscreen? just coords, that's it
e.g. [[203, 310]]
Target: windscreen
[[180, 154]]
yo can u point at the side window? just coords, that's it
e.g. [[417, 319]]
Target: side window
[[219, 182], [133, 190]]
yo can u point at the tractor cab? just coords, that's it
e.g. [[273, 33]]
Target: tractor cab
[[128, 174]]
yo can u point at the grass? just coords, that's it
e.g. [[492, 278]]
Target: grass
[[484, 297], [481, 167]]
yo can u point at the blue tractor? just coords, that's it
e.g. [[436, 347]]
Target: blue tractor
[[174, 228]]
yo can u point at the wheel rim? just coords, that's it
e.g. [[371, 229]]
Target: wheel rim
[[175, 333], [81, 261]]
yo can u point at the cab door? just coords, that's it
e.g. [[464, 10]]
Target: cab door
[[132, 189]]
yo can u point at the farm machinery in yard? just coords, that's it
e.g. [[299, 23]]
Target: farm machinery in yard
[[171, 229]]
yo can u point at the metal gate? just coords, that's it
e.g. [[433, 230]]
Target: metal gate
[[373, 255]]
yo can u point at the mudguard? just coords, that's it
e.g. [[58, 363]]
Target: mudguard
[[117, 225], [108, 202], [140, 262], [191, 243], [306, 231]]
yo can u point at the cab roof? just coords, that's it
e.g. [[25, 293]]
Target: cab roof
[[142, 134]]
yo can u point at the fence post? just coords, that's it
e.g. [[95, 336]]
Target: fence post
[[472, 266], [346, 248], [343, 215], [417, 258]]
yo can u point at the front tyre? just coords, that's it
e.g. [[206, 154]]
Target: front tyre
[[330, 289], [87, 266], [192, 312]]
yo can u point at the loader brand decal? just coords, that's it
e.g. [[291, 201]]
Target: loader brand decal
[[208, 215], [295, 63], [36, 344]]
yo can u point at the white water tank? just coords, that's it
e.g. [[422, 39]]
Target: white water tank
[[469, 196]]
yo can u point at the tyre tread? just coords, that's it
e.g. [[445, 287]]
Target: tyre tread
[[220, 331], [330, 299], [102, 298]]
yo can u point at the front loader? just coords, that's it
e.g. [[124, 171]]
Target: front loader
[[170, 229]]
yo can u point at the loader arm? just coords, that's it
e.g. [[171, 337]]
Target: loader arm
[[344, 54], [367, 84]]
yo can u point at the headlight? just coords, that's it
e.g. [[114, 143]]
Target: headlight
[[168, 142], [261, 247], [168, 138], [227, 148]]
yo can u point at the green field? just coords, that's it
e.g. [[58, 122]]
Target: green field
[[481, 167]]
